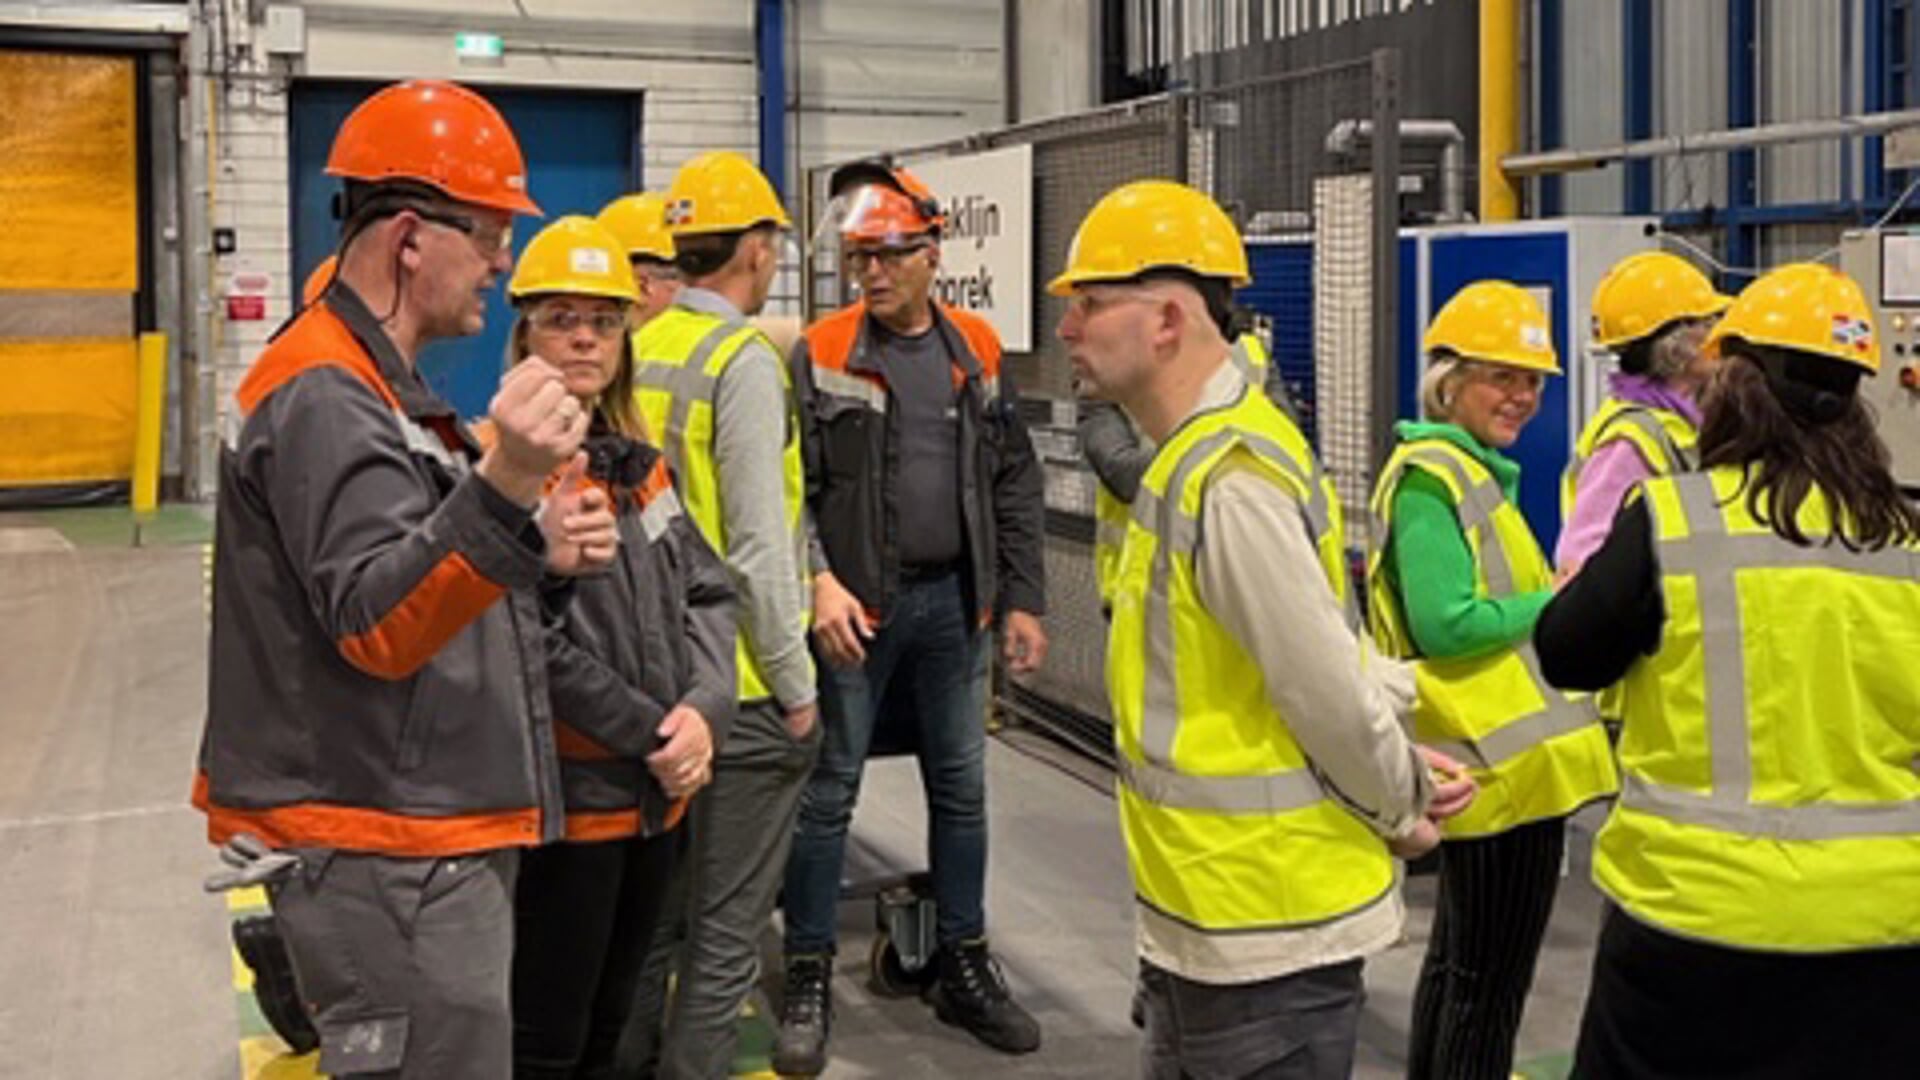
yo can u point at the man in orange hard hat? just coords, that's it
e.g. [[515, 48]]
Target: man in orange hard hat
[[927, 501], [378, 741]]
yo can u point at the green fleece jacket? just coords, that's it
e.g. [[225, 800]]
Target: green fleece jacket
[[1444, 616]]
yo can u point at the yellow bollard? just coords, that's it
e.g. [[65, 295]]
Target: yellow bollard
[[150, 398]]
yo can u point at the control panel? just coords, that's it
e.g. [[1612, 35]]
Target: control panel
[[1886, 263]]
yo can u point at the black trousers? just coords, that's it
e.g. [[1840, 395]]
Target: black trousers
[[584, 918], [1667, 1008], [1496, 894]]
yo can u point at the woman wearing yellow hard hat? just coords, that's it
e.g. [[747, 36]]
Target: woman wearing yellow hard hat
[[1764, 858], [1652, 311], [636, 672], [1455, 579]]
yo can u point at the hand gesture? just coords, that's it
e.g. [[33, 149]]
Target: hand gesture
[[1453, 787], [839, 622], [1026, 643], [577, 521], [684, 764], [539, 426]]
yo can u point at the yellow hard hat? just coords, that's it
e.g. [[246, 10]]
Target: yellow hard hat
[[1153, 225], [575, 255], [1645, 292], [639, 222], [1495, 321], [1807, 307], [721, 192]]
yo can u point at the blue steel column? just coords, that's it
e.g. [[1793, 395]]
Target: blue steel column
[[1636, 83], [1552, 100], [770, 48], [1873, 97], [1743, 186]]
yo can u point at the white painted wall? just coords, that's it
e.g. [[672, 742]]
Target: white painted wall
[[875, 75], [865, 76]]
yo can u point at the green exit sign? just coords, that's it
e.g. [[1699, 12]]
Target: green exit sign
[[478, 48]]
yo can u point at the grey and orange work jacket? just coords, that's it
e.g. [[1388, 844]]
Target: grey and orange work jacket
[[378, 668], [850, 443], [654, 631]]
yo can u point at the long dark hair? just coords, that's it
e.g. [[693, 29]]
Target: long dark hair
[[1794, 423]]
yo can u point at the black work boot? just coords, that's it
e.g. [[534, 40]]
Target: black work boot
[[806, 1014], [972, 993]]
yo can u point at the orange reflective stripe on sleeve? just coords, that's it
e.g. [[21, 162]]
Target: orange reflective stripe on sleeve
[[451, 596]]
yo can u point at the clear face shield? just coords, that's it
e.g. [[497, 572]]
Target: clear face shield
[[872, 217]]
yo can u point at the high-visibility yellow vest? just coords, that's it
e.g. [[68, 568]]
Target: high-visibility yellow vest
[[1249, 355], [1227, 827], [1770, 762], [1665, 440], [679, 356], [1537, 753]]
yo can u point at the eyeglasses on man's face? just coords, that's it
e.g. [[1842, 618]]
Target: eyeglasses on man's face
[[890, 257], [489, 238]]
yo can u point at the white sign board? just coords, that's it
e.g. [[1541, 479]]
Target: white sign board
[[986, 259]]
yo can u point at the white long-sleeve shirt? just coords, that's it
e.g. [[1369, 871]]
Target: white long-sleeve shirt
[[1259, 575]]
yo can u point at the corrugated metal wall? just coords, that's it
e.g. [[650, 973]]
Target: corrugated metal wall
[[1809, 66], [1692, 96], [1591, 52]]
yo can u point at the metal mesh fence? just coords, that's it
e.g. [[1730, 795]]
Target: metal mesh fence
[[1259, 147]]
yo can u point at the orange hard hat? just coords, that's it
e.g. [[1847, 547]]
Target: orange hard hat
[[873, 172], [881, 215], [436, 133], [318, 281]]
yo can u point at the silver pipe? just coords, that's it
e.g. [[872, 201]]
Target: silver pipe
[[1792, 131], [1346, 136]]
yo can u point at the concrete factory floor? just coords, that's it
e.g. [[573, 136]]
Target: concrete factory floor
[[118, 966]]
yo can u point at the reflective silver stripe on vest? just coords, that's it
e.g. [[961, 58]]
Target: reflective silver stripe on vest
[[1478, 503], [686, 383], [1179, 533], [1244, 362], [841, 384], [1713, 558], [1650, 426], [1271, 793], [1559, 716], [1815, 821]]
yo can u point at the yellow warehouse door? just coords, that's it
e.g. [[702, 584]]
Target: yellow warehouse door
[[69, 267]]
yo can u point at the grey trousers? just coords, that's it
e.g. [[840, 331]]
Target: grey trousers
[[404, 964], [1297, 1027], [742, 831]]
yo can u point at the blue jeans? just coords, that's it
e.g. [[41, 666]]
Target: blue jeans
[[926, 668]]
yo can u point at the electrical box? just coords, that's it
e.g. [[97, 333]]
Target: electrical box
[[1886, 263], [285, 33]]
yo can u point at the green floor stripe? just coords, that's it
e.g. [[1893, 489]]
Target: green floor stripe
[[113, 526], [1546, 1067]]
